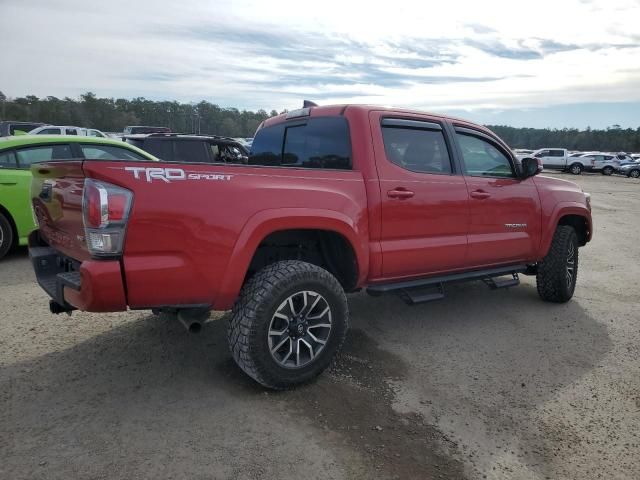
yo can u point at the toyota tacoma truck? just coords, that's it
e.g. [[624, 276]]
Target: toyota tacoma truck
[[333, 199]]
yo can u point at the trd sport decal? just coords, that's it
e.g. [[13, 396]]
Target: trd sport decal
[[168, 175]]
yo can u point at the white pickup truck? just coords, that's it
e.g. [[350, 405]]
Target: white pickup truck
[[559, 159]]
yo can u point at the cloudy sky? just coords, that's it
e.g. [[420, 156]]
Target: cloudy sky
[[542, 63]]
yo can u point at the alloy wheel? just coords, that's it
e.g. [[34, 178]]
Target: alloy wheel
[[571, 263], [299, 329]]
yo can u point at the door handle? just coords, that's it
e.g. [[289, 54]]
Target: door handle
[[480, 194], [400, 193]]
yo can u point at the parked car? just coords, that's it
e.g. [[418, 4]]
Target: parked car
[[10, 127], [17, 154], [599, 162], [630, 170], [176, 147], [333, 199], [67, 130], [559, 159], [136, 129]]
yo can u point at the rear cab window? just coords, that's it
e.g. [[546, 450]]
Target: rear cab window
[[315, 142]]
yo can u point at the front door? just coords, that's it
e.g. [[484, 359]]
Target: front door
[[504, 210], [424, 202]]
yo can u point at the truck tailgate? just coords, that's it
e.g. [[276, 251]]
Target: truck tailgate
[[56, 192]]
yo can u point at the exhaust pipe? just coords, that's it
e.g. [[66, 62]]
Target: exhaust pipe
[[193, 318]]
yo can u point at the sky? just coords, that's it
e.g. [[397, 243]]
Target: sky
[[548, 63]]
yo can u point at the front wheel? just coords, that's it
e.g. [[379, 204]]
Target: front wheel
[[558, 271], [634, 173], [6, 235], [289, 322], [576, 169], [607, 171]]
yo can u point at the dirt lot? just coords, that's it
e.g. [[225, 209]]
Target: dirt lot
[[480, 385]]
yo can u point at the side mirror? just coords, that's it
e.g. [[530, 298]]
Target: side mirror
[[530, 167]]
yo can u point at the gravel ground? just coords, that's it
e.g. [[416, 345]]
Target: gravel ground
[[479, 385]]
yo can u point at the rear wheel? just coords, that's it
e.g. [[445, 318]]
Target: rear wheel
[[289, 322], [607, 171], [576, 169], [558, 271], [634, 173], [6, 235]]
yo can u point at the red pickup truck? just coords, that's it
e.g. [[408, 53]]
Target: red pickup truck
[[333, 199]]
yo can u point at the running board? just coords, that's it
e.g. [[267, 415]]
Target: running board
[[486, 275], [422, 295], [496, 283]]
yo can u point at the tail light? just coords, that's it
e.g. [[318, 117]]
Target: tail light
[[593, 162], [105, 211]]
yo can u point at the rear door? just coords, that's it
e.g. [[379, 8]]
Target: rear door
[[504, 210], [424, 200]]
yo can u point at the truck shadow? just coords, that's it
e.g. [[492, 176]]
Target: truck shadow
[[147, 380]]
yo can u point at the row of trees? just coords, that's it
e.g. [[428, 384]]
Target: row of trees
[[612, 139], [112, 115]]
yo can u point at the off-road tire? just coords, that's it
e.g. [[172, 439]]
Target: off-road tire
[[607, 171], [576, 169], [6, 235], [253, 312], [552, 277]]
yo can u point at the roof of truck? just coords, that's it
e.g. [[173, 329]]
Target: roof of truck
[[336, 110]]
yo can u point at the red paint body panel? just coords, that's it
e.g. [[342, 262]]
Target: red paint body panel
[[191, 242], [102, 288]]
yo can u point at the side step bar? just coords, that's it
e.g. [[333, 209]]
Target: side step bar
[[432, 288]]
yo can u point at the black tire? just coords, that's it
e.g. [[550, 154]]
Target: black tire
[[556, 277], [634, 173], [6, 235], [254, 312], [607, 171], [576, 168]]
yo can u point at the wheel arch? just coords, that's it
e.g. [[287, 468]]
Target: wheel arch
[[574, 215], [12, 223], [330, 228]]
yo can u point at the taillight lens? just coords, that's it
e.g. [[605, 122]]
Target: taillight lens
[[105, 210]]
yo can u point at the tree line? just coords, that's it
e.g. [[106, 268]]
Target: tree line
[[112, 115]]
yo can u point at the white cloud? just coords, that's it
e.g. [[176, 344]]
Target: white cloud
[[457, 55]]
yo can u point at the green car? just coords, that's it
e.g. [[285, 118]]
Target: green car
[[18, 153]]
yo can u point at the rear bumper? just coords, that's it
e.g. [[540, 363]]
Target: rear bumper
[[92, 285]]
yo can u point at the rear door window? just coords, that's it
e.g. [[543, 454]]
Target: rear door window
[[321, 142], [109, 152], [28, 156], [417, 150], [7, 160]]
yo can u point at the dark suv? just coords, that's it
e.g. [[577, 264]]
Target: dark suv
[[176, 147], [8, 127]]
